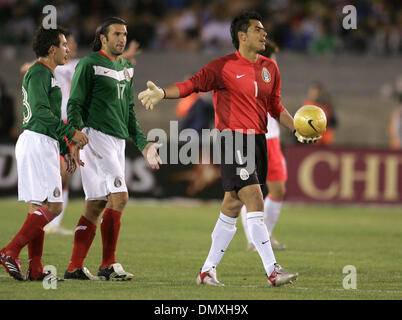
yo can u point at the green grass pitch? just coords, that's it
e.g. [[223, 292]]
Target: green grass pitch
[[164, 244]]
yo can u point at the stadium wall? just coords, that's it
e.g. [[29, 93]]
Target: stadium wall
[[316, 175]]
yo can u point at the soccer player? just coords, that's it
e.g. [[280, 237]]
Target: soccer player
[[245, 87], [64, 76], [37, 152], [102, 98], [277, 173]]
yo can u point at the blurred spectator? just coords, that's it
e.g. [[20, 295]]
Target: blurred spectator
[[215, 34], [395, 123], [200, 112], [317, 95], [306, 26], [7, 114], [395, 127]]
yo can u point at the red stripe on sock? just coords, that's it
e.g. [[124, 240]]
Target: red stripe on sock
[[275, 200]]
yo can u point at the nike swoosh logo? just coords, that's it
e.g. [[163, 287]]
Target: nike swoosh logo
[[222, 250], [264, 242], [311, 125], [238, 77], [105, 72]]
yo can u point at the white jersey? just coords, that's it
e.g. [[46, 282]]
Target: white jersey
[[273, 128], [64, 76]]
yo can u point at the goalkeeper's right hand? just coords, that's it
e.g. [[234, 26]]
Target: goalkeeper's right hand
[[302, 139], [151, 96]]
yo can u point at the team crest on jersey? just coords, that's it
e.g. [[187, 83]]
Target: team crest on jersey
[[266, 76], [56, 192], [126, 75]]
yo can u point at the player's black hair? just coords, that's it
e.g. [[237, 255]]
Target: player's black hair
[[104, 29], [45, 38], [242, 23]]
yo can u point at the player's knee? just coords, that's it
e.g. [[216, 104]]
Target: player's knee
[[94, 207], [231, 208], [255, 205], [118, 201], [278, 193], [55, 208]]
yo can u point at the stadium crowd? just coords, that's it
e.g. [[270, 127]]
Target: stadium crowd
[[311, 26]]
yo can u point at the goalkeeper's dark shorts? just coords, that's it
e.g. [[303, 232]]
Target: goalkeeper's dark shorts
[[236, 154]]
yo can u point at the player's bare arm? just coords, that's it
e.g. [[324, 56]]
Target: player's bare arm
[[286, 120]]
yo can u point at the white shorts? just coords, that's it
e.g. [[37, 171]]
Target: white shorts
[[104, 158], [38, 165]]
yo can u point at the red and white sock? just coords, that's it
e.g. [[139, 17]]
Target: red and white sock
[[83, 238], [110, 228], [31, 229]]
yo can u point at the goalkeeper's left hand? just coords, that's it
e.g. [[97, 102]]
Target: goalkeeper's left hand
[[151, 96], [302, 139]]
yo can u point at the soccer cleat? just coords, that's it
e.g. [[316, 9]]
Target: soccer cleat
[[57, 230], [80, 274], [47, 276], [209, 278], [279, 277], [12, 265], [114, 272], [276, 245]]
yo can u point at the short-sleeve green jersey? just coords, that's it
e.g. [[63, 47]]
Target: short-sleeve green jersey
[[41, 99], [102, 98]]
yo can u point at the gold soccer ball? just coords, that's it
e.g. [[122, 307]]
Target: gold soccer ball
[[310, 121]]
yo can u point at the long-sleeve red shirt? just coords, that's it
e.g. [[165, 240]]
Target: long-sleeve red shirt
[[243, 91]]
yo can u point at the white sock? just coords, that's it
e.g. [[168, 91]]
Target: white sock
[[223, 233], [259, 233], [243, 213], [56, 222], [272, 209]]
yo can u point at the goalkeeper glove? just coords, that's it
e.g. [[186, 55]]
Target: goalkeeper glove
[[302, 139], [151, 96]]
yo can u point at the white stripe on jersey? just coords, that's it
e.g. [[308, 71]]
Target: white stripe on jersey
[[117, 75], [55, 83], [64, 75]]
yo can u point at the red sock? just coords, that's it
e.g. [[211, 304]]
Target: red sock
[[31, 229], [35, 250], [83, 237], [110, 228]]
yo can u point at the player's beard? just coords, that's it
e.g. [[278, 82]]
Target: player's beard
[[116, 51]]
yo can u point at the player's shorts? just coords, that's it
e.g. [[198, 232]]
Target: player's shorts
[[104, 158], [234, 173], [38, 168], [277, 164]]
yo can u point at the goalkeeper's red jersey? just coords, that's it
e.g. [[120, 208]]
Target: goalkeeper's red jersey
[[243, 91]]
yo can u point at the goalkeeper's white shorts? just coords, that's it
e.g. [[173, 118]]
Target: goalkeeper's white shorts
[[104, 158], [38, 165]]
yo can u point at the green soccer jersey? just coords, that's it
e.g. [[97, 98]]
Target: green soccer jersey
[[41, 99], [102, 97]]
